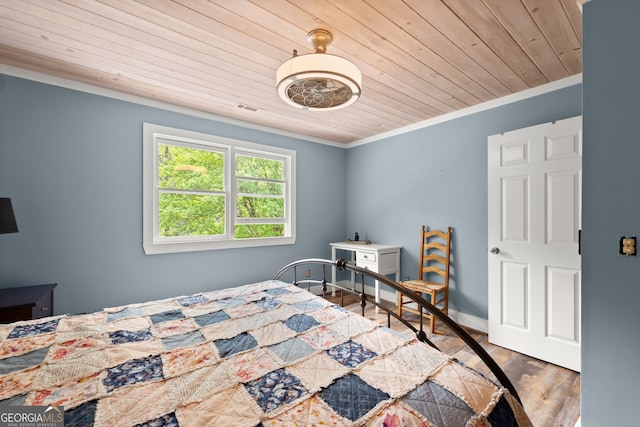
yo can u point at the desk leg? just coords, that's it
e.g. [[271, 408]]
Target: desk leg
[[377, 291], [377, 285], [333, 271]]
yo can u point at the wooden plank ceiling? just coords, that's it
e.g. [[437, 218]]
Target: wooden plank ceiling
[[420, 59]]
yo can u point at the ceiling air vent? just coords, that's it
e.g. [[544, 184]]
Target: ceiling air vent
[[247, 107]]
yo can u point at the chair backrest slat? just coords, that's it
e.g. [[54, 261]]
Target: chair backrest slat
[[435, 253]]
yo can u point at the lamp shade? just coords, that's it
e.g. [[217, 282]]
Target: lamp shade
[[7, 218], [318, 81]]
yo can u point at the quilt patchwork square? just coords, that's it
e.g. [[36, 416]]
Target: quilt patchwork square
[[351, 353], [122, 353], [330, 315], [380, 340], [134, 371], [129, 406], [243, 310], [317, 371], [70, 369], [18, 380], [75, 347], [439, 405], [239, 343], [291, 349], [477, 391], [420, 358], [173, 327], [275, 389], [295, 296], [301, 322], [124, 314], [351, 397], [16, 347], [272, 334], [229, 407], [267, 303], [166, 316], [182, 340], [252, 364], [322, 337], [119, 337], [21, 331], [390, 376], [202, 383], [71, 394], [309, 305], [352, 325], [211, 318], [192, 300], [179, 361], [277, 291], [26, 360], [232, 302]]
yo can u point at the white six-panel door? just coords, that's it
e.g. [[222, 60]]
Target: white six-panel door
[[534, 208]]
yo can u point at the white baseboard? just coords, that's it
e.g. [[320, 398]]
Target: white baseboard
[[470, 321], [464, 319]]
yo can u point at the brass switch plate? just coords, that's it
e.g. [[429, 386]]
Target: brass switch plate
[[628, 246]]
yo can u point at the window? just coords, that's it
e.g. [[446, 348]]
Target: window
[[205, 192]]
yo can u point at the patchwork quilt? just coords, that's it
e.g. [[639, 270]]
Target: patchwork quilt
[[266, 354]]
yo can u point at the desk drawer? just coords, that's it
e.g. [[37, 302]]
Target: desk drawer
[[44, 306], [365, 257]]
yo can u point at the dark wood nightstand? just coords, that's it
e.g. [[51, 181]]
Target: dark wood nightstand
[[26, 303]]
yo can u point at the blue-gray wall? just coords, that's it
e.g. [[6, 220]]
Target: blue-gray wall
[[72, 164], [437, 176], [611, 209]]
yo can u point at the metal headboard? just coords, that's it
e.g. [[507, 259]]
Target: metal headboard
[[365, 299]]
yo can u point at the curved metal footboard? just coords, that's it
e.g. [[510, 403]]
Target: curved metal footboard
[[341, 264]]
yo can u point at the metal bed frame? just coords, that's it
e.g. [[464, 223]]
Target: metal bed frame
[[365, 299]]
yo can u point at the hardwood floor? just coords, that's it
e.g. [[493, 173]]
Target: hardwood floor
[[550, 394]]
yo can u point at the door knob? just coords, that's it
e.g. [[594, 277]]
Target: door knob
[[494, 250]]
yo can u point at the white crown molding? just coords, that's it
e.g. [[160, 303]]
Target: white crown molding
[[519, 96]]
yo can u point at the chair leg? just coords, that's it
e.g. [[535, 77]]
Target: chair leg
[[399, 304], [432, 318], [446, 302]]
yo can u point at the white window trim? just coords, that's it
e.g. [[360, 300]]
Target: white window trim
[[151, 133]]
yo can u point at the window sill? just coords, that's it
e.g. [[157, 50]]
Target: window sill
[[174, 247]]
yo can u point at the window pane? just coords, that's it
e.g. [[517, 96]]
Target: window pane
[[260, 207], [190, 215], [251, 231], [259, 167], [189, 168], [251, 186]]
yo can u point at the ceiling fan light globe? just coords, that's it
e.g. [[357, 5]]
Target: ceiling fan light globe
[[319, 82]]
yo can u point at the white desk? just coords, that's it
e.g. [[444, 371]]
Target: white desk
[[382, 259]]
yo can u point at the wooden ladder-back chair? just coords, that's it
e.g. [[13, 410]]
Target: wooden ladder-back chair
[[435, 250]]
